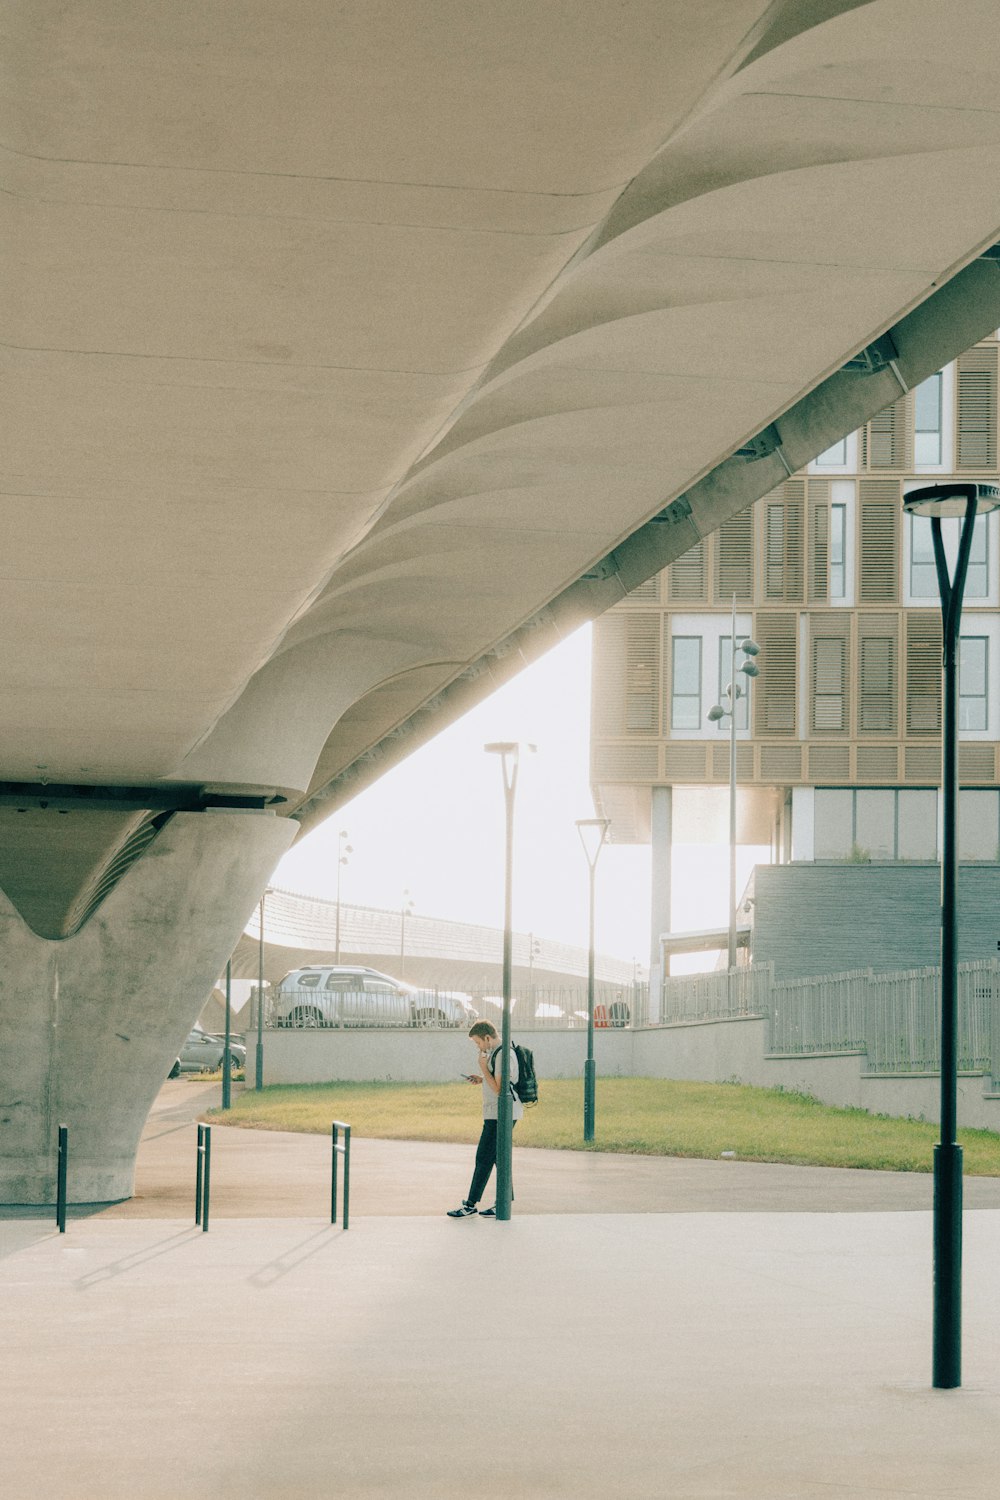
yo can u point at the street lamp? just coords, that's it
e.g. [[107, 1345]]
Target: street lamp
[[343, 850], [259, 1067], [593, 832], [963, 501], [509, 753], [405, 910], [734, 692]]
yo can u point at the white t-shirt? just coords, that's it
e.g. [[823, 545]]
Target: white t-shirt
[[491, 1101]]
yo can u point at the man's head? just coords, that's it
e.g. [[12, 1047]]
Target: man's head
[[484, 1034]]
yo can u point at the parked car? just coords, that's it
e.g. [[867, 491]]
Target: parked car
[[203, 1053], [323, 995]]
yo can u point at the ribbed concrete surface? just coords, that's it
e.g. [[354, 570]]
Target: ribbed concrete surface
[[722, 1355]]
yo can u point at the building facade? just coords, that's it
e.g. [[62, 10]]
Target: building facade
[[839, 738]]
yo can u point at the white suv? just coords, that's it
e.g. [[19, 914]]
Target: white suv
[[335, 995]]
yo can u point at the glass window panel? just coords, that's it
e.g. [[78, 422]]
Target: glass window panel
[[917, 824], [876, 822], [834, 457], [977, 580], [972, 682], [685, 711], [977, 824], [833, 814], [923, 573], [927, 421], [838, 542]]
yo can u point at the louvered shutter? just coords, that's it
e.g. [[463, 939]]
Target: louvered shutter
[[642, 673], [878, 647], [830, 656], [879, 504], [776, 689], [977, 408], [648, 592], [885, 437], [783, 541], [608, 653], [734, 558], [819, 539], [686, 576], [923, 672]]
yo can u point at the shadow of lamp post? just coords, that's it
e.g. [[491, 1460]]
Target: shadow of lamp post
[[593, 832], [961, 501]]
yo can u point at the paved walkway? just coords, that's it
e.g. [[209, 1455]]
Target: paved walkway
[[274, 1174], [700, 1348]]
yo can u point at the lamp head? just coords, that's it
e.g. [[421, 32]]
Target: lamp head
[[749, 647], [715, 714], [952, 499], [750, 668]]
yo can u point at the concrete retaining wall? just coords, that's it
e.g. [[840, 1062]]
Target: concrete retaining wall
[[732, 1051]]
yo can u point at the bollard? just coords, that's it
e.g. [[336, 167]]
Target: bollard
[[344, 1151], [203, 1176], [63, 1163]]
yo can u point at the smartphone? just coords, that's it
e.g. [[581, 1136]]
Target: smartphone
[[469, 1077]]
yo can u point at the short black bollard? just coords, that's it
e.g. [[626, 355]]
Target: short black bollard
[[203, 1176], [61, 1179], [344, 1151]]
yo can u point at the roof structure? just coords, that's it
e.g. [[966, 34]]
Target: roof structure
[[356, 354]]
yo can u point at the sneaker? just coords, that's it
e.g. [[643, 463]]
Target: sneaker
[[462, 1213], [487, 1213]]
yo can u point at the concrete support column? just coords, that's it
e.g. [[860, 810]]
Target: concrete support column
[[661, 824], [90, 1025]]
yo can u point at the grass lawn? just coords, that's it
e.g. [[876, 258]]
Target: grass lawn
[[644, 1116]]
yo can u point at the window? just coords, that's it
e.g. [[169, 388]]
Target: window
[[828, 694], [833, 458], [923, 572], [972, 669], [685, 706], [838, 551], [742, 682], [927, 421]]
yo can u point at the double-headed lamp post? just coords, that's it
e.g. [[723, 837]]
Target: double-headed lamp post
[[962, 501], [749, 649], [509, 753], [343, 850], [593, 832]]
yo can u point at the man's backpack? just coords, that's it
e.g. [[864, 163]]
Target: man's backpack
[[526, 1087]]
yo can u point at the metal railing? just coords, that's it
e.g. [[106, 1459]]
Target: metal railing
[[893, 1019], [548, 1008]]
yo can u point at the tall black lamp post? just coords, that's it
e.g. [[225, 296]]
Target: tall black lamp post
[[593, 832], [963, 502], [509, 753]]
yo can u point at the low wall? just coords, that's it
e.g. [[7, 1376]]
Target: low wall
[[729, 1051], [426, 1056]]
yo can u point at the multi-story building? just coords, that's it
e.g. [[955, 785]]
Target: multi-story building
[[839, 738]]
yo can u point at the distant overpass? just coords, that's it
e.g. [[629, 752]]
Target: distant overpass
[[438, 953]]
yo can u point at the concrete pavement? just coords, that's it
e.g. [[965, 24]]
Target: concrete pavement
[[713, 1344]]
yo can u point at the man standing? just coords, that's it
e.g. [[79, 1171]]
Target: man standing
[[484, 1034]]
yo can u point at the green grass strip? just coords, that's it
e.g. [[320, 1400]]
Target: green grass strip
[[641, 1116]]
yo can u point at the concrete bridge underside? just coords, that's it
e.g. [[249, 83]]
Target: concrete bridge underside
[[357, 354]]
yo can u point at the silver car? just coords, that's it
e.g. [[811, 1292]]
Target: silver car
[[203, 1053]]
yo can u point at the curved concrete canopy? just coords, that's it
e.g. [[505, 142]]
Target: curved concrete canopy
[[344, 344]]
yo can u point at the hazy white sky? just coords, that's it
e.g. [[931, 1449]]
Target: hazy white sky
[[435, 825]]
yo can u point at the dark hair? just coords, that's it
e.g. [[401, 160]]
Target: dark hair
[[483, 1028]]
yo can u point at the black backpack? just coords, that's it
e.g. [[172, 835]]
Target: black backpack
[[526, 1087]]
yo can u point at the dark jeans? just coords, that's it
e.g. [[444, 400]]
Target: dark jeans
[[486, 1160]]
